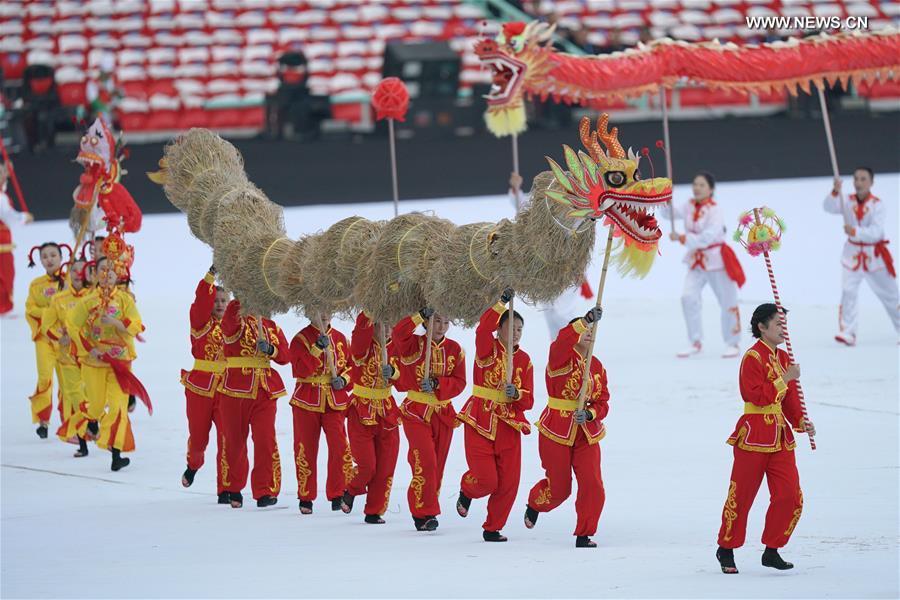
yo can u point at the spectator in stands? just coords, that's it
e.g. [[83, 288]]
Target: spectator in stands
[[40, 103], [293, 104], [103, 94], [644, 35], [579, 37], [772, 35], [613, 43]]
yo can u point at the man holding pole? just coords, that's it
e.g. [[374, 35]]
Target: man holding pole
[[764, 444], [432, 371], [570, 429], [494, 417], [319, 355], [865, 256]]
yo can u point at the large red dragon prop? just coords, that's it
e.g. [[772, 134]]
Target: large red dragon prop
[[525, 65]]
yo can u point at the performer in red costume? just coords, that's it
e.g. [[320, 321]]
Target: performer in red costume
[[8, 216], [373, 419], [247, 397], [569, 436], [427, 412], [764, 445], [319, 361], [494, 419], [201, 383]]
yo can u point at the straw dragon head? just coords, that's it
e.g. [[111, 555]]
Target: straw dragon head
[[607, 183], [519, 54]]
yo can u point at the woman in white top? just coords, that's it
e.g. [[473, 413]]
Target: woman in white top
[[710, 261]]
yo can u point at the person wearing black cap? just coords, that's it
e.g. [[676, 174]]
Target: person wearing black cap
[[764, 444]]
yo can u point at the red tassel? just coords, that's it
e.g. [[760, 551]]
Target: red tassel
[[586, 292]]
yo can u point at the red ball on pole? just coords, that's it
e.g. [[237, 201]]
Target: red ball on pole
[[390, 99]]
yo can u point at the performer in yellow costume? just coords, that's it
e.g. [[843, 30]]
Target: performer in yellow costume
[[105, 324], [40, 292], [73, 407]]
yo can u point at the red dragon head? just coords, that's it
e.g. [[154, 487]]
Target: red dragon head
[[607, 183], [518, 54]]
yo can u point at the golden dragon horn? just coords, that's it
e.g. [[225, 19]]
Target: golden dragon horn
[[610, 139]]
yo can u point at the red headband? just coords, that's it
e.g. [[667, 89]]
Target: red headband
[[59, 247]]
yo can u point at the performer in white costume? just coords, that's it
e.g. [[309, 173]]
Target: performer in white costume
[[865, 255], [710, 261]]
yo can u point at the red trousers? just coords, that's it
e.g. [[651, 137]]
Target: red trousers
[[308, 426], [240, 416], [559, 461], [494, 470], [7, 270], [429, 444], [375, 449], [785, 497], [202, 413]]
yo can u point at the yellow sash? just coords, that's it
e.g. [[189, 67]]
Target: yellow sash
[[247, 362], [562, 404], [209, 366], [484, 393], [769, 409], [315, 379], [371, 393], [426, 398]]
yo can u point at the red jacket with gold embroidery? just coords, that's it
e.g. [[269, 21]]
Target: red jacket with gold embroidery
[[370, 394], [448, 366], [246, 369], [206, 342], [488, 404], [565, 368], [310, 367], [771, 406]]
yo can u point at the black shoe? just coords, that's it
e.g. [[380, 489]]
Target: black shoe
[[462, 504], [305, 507], [347, 503], [531, 517], [224, 498], [41, 431], [117, 461], [374, 520], [187, 479], [726, 560], [583, 541], [493, 536], [336, 504], [771, 558], [82, 448], [131, 403], [236, 499], [93, 429], [266, 501], [425, 523]]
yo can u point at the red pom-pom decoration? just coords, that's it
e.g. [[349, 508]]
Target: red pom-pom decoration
[[391, 99], [659, 144], [513, 28], [645, 151]]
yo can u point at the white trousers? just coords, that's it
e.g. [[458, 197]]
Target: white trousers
[[884, 286], [726, 293], [564, 309]]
